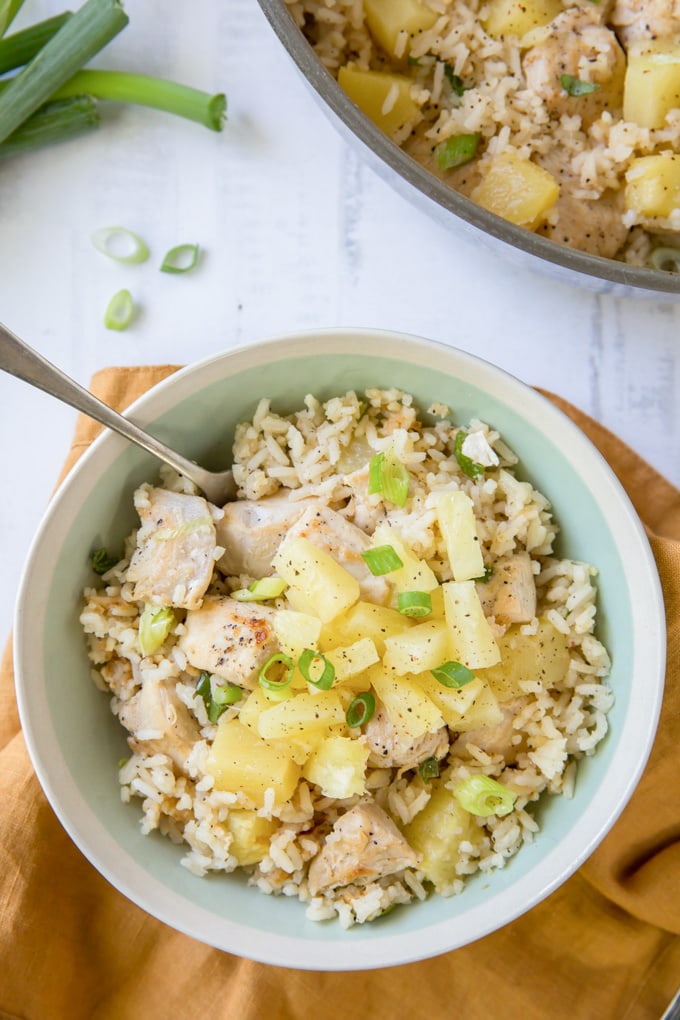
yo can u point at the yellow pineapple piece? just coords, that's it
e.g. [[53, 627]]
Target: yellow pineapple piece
[[385, 98], [517, 17], [318, 585], [351, 660], [241, 762], [653, 186], [387, 19], [436, 832], [652, 83], [470, 638], [452, 702], [542, 656], [410, 710], [484, 711], [363, 620], [338, 767], [424, 646], [296, 631], [518, 190], [456, 518], [415, 575], [305, 717], [250, 836]]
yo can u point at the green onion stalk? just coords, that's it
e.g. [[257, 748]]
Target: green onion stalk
[[54, 122], [21, 47], [8, 11]]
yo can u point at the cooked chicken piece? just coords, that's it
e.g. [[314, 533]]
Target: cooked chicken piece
[[363, 846], [229, 638], [251, 531], [499, 739], [580, 47], [175, 555], [646, 19], [592, 225], [328, 530], [510, 593], [364, 513], [389, 751], [159, 722]]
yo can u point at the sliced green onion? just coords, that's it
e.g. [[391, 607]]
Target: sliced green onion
[[217, 695], [383, 559], [481, 795], [121, 244], [468, 466], [180, 259], [456, 151], [324, 681], [429, 769], [360, 710], [119, 311], [454, 81], [414, 603], [665, 259], [265, 588], [453, 674], [486, 576], [388, 477], [283, 680], [154, 626], [54, 122], [102, 561], [20, 47], [77, 41], [576, 87], [225, 694], [143, 90]]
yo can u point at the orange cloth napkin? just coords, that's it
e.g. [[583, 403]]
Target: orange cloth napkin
[[604, 946]]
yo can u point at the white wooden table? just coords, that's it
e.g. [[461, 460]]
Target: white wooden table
[[296, 233]]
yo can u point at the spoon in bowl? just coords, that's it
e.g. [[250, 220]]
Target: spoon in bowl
[[20, 360]]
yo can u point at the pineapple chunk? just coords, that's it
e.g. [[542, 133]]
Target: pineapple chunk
[[296, 631], [252, 707], [306, 717], [437, 832], [452, 702], [484, 711], [652, 84], [338, 767], [470, 637], [410, 710], [415, 575], [350, 660], [250, 835], [456, 517], [518, 190], [243, 763], [424, 646], [363, 620], [386, 19], [372, 91], [541, 656], [653, 188], [316, 580], [517, 17]]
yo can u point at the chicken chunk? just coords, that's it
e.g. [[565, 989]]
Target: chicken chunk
[[510, 593], [229, 638], [390, 751], [646, 19], [578, 46], [364, 845], [345, 542], [502, 739], [175, 555], [159, 722], [251, 531]]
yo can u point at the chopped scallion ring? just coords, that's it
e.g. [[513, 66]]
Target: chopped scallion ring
[[575, 87], [429, 769], [453, 674], [306, 664], [154, 626], [481, 795], [265, 588], [665, 259], [283, 680], [383, 559], [121, 244], [180, 259], [226, 694], [388, 477], [468, 467], [360, 710], [119, 311], [102, 561], [414, 603]]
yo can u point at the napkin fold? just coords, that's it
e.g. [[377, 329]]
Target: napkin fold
[[605, 945]]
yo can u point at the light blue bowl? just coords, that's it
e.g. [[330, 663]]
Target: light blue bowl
[[75, 742]]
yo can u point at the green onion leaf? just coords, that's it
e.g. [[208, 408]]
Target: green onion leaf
[[259, 591], [8, 12], [155, 624], [576, 87], [468, 467], [20, 47], [217, 695], [283, 679], [121, 244], [102, 561], [665, 259], [382, 559], [225, 694], [486, 576], [54, 122], [414, 603], [454, 80], [180, 259], [119, 311], [360, 710], [388, 477], [481, 795], [429, 769], [456, 151], [310, 660], [453, 674]]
